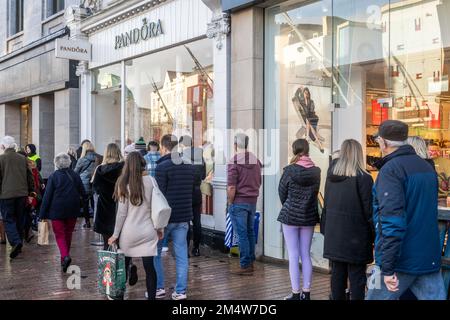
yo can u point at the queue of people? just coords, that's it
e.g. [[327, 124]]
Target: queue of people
[[390, 223]]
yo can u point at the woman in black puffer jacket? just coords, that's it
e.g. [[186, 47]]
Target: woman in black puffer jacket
[[298, 191], [347, 222]]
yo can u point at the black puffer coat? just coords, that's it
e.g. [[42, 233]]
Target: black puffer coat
[[298, 190], [347, 219]]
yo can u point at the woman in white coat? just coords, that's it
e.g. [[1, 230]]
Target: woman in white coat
[[134, 227]]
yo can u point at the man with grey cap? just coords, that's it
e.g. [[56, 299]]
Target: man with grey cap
[[16, 184], [407, 248]]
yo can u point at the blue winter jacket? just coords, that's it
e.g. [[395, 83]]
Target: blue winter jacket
[[176, 181], [405, 215], [62, 196]]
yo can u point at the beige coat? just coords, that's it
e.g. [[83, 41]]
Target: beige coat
[[134, 226]]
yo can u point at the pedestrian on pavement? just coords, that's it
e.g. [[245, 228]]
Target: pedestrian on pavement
[[16, 184], [73, 157], [152, 157], [129, 149], [80, 148], [33, 203], [244, 182], [298, 191], [141, 146], [176, 181], [194, 156], [421, 148], [407, 245], [347, 222], [31, 152], [134, 227], [104, 182], [85, 168], [64, 195]]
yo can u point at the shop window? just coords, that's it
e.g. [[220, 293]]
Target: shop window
[[52, 7], [15, 16], [171, 92]]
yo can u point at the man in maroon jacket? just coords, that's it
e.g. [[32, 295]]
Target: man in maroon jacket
[[244, 182]]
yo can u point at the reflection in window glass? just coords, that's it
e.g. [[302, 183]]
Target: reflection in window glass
[[106, 107], [172, 92]]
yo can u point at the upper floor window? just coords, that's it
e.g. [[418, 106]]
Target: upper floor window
[[52, 7], [15, 16]]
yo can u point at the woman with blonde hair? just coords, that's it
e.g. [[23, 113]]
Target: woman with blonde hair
[[421, 148], [103, 183], [85, 168], [298, 191], [347, 222]]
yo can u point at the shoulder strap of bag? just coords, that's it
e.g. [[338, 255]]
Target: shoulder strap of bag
[[73, 182]]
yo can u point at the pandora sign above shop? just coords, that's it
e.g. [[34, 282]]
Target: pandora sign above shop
[[143, 31]]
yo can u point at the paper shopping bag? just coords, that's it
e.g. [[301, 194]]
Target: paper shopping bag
[[111, 273], [43, 230]]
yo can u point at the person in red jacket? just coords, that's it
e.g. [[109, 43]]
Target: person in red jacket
[[33, 202]]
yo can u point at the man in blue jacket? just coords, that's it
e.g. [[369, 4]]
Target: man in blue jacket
[[407, 248], [176, 181]]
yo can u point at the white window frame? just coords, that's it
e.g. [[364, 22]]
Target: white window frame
[[12, 18], [45, 9]]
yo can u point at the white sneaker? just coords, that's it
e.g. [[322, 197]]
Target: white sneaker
[[165, 249], [160, 294], [179, 296]]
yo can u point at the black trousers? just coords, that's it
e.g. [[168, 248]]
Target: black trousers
[[105, 241], [13, 211], [150, 275], [197, 226], [340, 273]]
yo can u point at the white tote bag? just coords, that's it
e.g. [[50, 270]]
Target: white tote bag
[[160, 207]]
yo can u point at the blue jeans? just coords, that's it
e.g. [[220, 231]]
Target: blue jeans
[[13, 214], [243, 220], [178, 233], [425, 287]]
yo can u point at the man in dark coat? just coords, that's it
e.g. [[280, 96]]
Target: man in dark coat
[[176, 181], [194, 156], [407, 245], [16, 184]]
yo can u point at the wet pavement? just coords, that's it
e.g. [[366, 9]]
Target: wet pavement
[[36, 275]]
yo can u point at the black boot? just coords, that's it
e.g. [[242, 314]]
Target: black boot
[[293, 296], [15, 251], [305, 296], [66, 263]]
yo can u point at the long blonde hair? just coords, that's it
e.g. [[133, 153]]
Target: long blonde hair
[[419, 145], [351, 161], [112, 154], [87, 147]]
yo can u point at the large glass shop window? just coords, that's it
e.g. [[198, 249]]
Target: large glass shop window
[[172, 92], [399, 53], [297, 95], [106, 107]]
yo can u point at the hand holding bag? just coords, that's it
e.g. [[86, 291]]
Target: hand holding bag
[[43, 230], [161, 210]]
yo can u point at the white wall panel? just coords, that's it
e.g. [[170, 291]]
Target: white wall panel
[[181, 20]]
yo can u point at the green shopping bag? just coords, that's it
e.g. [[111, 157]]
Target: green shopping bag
[[111, 272]]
